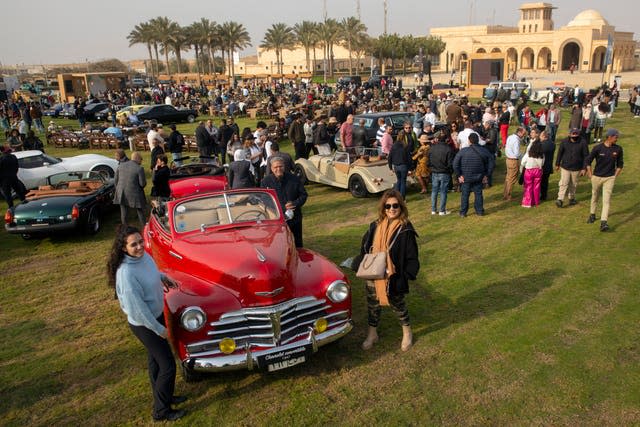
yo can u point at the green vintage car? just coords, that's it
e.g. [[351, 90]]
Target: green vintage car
[[69, 201]]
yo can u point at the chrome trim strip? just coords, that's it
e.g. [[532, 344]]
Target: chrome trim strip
[[241, 361], [175, 255]]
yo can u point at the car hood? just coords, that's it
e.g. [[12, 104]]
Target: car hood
[[256, 262]]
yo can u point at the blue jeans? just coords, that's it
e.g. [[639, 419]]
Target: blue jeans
[[478, 202], [439, 184], [175, 156], [552, 129], [401, 178]]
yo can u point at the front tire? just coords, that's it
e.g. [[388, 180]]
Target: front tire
[[298, 171], [191, 118], [357, 186], [105, 171], [543, 101]]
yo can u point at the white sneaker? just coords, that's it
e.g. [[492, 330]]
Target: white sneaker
[[444, 213], [433, 212]]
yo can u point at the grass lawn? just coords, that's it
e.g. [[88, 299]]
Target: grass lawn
[[521, 317]]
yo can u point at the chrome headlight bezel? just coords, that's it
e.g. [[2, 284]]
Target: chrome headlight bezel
[[190, 314], [338, 291]]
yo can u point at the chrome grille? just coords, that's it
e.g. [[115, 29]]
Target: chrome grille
[[267, 326]]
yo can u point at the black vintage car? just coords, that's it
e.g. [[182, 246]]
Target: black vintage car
[[394, 118], [167, 114], [68, 201]]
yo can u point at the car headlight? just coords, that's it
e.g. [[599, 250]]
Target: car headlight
[[338, 291], [193, 318]]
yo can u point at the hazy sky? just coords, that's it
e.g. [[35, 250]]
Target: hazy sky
[[64, 31]]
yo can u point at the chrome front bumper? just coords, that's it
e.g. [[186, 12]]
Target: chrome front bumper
[[249, 360]]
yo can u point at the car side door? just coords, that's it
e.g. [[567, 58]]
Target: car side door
[[34, 170], [158, 238]]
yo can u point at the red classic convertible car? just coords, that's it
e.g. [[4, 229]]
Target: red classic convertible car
[[196, 177], [246, 298]]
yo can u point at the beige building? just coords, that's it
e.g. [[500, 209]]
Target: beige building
[[295, 62], [535, 44]]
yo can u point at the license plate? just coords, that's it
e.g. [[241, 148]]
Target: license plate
[[285, 358]]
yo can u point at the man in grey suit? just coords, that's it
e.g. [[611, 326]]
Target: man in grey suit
[[130, 182]]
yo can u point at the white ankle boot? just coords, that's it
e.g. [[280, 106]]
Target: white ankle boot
[[372, 338], [407, 338]]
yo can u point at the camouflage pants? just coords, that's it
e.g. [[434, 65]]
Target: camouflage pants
[[396, 302]]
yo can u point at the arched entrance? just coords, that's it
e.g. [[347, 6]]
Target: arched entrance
[[597, 62], [496, 50], [527, 59], [512, 60], [544, 59], [481, 50], [571, 55]]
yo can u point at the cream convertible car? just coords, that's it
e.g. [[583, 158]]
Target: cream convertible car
[[361, 170]]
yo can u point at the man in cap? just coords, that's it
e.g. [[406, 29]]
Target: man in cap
[[570, 162], [609, 164]]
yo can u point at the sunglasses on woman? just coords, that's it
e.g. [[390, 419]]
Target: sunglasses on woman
[[391, 206]]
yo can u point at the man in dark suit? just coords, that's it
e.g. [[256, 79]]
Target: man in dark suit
[[130, 182], [291, 195], [203, 141]]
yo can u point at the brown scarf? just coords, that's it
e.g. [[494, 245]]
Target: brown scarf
[[381, 240]]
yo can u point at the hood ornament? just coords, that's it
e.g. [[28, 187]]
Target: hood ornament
[[272, 293], [261, 256]]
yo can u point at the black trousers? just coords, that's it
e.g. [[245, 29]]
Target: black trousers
[[124, 212], [162, 367], [544, 186], [14, 184], [296, 229], [301, 150]]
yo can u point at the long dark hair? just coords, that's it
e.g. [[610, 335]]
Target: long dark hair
[[536, 150], [117, 253]]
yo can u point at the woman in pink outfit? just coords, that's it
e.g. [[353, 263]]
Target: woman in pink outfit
[[531, 166]]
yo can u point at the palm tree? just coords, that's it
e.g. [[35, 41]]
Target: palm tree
[[142, 34], [178, 41], [196, 37], [162, 30], [361, 45], [234, 36], [210, 39], [307, 35], [351, 28], [280, 36], [329, 34]]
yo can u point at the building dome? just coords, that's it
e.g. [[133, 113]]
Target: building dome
[[588, 18]]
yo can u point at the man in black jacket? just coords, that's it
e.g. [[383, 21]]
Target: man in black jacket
[[473, 165], [441, 166], [548, 149], [570, 162], [9, 176], [175, 144], [202, 141], [400, 161], [296, 135], [291, 195]]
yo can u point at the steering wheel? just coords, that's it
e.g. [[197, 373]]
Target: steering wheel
[[258, 214]]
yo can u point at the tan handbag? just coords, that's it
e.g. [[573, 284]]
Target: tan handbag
[[373, 266]]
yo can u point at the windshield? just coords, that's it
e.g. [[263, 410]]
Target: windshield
[[398, 119], [145, 109], [75, 176], [224, 209], [37, 161]]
